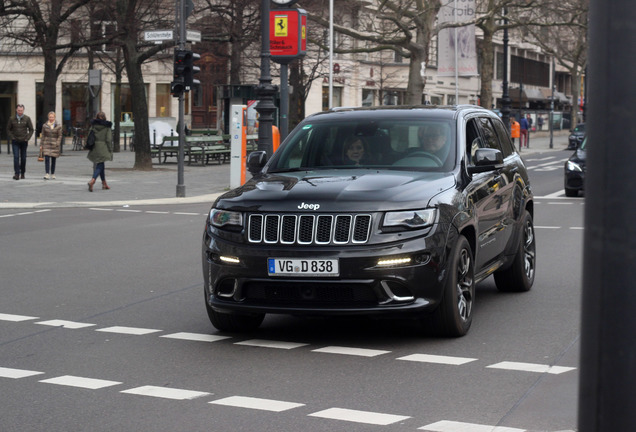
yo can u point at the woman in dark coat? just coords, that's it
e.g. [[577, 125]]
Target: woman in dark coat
[[51, 142], [103, 150]]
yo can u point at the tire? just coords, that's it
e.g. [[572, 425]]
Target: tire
[[454, 314], [234, 322], [519, 277], [571, 192]]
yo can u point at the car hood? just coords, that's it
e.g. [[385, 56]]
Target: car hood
[[362, 190]]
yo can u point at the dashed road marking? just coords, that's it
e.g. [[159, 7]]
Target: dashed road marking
[[428, 358], [199, 337], [17, 373], [15, 318], [531, 367], [128, 330], [165, 392], [257, 403], [363, 352], [75, 381], [356, 416], [453, 426], [270, 344], [65, 324]]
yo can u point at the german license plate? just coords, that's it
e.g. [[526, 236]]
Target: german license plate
[[302, 267]]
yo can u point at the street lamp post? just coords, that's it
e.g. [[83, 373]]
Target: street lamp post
[[265, 90], [505, 97]]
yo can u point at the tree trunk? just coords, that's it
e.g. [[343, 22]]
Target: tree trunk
[[143, 161], [50, 82], [487, 71]]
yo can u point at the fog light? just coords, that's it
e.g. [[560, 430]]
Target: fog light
[[392, 262], [229, 259]]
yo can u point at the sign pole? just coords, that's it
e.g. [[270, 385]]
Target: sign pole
[[181, 189]]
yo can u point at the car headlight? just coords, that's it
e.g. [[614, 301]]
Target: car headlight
[[223, 218], [410, 218], [572, 166]]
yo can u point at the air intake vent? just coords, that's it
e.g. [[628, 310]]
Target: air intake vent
[[304, 229]]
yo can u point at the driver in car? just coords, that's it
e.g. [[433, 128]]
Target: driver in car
[[433, 139]]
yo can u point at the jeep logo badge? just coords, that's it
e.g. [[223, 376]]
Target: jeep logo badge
[[304, 206]]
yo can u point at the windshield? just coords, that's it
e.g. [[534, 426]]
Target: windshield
[[413, 144]]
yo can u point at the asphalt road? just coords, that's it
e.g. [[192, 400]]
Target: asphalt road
[[103, 328]]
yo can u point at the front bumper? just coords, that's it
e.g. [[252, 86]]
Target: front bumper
[[362, 287]]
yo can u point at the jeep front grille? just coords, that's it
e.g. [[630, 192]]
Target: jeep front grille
[[304, 229]]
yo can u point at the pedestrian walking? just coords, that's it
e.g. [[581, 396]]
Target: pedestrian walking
[[51, 144], [529, 120], [103, 150], [514, 129], [540, 122], [523, 124], [19, 131]]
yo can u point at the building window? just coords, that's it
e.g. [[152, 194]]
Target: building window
[[74, 107], [368, 97], [125, 102], [336, 97], [164, 100]]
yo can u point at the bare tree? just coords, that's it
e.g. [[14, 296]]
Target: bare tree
[[567, 42], [403, 26], [132, 17], [235, 23], [39, 26]]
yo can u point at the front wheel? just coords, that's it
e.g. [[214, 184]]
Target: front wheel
[[454, 314], [519, 277]]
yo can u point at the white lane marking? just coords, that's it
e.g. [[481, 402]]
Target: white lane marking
[[367, 417], [531, 367], [351, 351], [270, 344], [24, 213], [128, 330], [75, 381], [538, 159], [166, 393], [101, 209], [561, 203], [577, 228], [15, 318], [65, 324], [157, 212], [17, 373], [128, 211], [187, 214], [546, 227], [199, 337], [453, 426], [257, 403], [428, 358]]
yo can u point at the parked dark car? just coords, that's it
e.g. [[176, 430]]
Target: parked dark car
[[392, 230], [574, 179], [576, 136]]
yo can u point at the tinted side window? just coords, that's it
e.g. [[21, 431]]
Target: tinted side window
[[490, 136], [504, 138]]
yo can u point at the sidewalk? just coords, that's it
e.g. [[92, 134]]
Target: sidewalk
[[130, 187]]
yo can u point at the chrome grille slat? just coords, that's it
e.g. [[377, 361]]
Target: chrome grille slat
[[308, 229]]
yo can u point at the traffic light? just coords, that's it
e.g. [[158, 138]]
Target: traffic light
[[178, 86], [191, 69]]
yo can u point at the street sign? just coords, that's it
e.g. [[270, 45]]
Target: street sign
[[158, 35], [193, 36]]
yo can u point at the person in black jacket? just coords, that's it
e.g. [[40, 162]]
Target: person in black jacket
[[20, 129]]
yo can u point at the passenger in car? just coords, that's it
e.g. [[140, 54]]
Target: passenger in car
[[355, 151]]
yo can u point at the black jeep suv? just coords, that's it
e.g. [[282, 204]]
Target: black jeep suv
[[376, 211]]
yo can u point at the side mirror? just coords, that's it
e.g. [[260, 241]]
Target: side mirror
[[256, 161], [486, 159]]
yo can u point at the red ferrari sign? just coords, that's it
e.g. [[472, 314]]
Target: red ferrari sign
[[287, 34]]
